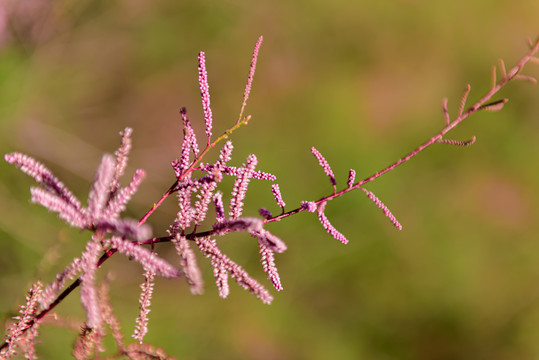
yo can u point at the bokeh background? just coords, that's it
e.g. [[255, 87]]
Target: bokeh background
[[360, 80]]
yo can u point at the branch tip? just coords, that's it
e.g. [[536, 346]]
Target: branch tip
[[464, 98], [456, 142], [446, 112], [502, 67], [494, 105], [526, 78]]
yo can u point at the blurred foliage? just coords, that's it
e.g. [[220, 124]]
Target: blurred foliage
[[360, 80]]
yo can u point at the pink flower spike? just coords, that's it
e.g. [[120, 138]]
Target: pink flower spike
[[351, 177], [240, 187], [145, 301], [189, 266], [186, 211], [277, 195], [15, 334], [384, 208], [43, 176], [118, 202], [205, 92], [189, 143], [122, 155], [100, 190], [251, 76], [221, 278], [88, 292], [219, 208], [268, 264], [225, 154], [324, 164], [205, 196], [327, 225], [66, 211], [145, 257], [126, 228]]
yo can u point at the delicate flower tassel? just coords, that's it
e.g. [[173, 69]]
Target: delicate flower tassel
[[277, 195], [268, 265], [43, 176], [117, 204], [145, 301], [325, 165], [66, 211], [219, 208], [122, 155], [205, 92], [384, 208], [100, 190], [240, 187], [18, 332], [351, 178], [145, 257], [251, 76], [189, 264], [189, 143], [186, 212], [88, 292], [327, 225]]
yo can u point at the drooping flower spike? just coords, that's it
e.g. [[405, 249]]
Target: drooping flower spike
[[327, 225]]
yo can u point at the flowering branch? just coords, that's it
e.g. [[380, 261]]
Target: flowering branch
[[110, 233]]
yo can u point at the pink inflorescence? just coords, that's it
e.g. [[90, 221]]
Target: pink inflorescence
[[384, 208], [250, 78], [145, 257], [277, 195], [351, 177], [189, 144], [122, 155], [88, 292], [189, 265], [269, 267], [15, 334], [145, 301], [240, 187], [205, 92], [219, 208], [43, 176], [327, 225], [325, 165]]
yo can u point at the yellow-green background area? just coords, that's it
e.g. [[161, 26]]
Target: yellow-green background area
[[360, 80]]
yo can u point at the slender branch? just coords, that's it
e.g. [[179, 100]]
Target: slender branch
[[479, 105]]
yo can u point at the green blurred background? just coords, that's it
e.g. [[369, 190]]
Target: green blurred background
[[360, 80]]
